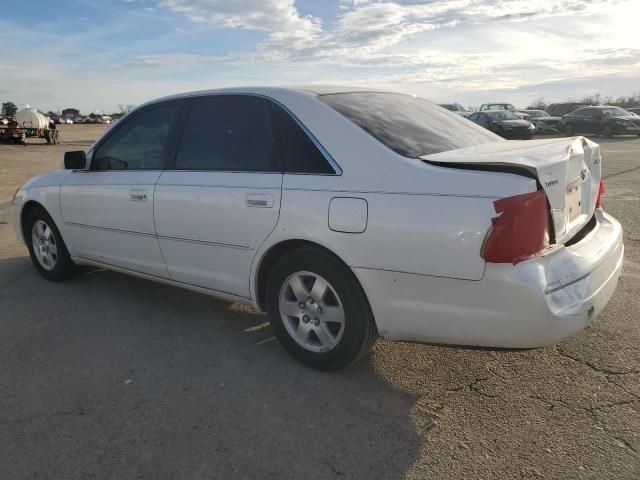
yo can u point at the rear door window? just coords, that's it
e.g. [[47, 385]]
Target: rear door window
[[408, 125], [228, 133]]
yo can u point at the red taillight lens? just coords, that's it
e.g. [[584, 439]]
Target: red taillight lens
[[600, 193], [521, 231]]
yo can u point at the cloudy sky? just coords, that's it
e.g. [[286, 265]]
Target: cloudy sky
[[97, 54]]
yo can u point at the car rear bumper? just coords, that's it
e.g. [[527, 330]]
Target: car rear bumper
[[535, 303]]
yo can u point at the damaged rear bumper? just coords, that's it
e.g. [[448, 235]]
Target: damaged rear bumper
[[535, 303]]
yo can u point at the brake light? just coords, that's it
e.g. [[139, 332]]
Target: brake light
[[600, 193], [520, 231]]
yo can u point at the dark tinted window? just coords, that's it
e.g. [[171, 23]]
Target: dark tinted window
[[297, 150], [581, 112], [139, 143], [410, 126], [227, 133]]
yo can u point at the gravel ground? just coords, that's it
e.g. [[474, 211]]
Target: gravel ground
[[108, 376]]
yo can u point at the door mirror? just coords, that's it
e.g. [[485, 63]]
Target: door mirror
[[75, 160]]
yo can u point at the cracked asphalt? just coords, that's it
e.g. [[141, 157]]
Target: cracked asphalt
[[108, 376]]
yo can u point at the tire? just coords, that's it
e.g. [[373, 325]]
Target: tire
[[568, 130], [342, 343], [41, 232], [607, 132]]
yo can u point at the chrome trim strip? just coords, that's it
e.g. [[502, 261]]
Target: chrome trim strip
[[164, 237], [110, 229], [204, 242]]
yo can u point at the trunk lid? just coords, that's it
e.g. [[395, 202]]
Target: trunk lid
[[568, 169]]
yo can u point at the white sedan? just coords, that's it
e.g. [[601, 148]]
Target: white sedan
[[345, 214]]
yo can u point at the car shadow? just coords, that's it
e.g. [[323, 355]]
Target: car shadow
[[108, 372]]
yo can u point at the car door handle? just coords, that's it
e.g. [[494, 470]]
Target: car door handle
[[259, 200], [138, 195]]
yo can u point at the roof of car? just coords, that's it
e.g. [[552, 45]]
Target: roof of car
[[313, 90]]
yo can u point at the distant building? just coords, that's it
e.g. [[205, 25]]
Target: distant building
[[71, 113]]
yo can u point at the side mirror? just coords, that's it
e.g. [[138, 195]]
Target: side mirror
[[76, 160]]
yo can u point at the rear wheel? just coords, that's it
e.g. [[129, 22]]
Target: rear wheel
[[607, 131], [318, 310], [47, 249], [568, 130]]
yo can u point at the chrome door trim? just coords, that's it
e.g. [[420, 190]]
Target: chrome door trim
[[163, 237], [205, 242], [110, 229]]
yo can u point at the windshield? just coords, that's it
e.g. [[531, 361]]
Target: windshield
[[502, 115], [614, 112], [408, 125]]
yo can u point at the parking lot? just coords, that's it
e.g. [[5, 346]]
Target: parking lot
[[109, 376]]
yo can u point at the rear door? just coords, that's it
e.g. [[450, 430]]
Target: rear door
[[221, 198], [108, 210]]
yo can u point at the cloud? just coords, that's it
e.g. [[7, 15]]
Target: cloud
[[454, 50], [363, 27], [280, 18]]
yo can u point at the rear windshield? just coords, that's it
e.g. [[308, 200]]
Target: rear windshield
[[408, 125]]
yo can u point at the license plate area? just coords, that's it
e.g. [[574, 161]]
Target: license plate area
[[574, 202]]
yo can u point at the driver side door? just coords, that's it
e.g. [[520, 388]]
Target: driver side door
[[108, 209]]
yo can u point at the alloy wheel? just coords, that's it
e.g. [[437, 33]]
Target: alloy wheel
[[44, 245], [311, 311]]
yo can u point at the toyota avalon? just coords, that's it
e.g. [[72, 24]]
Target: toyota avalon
[[345, 214]]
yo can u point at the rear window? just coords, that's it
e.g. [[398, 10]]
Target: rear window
[[408, 125]]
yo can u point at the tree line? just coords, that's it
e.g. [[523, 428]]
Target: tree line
[[597, 99]]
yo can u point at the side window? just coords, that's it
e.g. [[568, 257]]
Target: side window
[[227, 133], [297, 151], [582, 112], [139, 144]]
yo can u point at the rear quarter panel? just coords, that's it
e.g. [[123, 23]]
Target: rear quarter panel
[[425, 234]]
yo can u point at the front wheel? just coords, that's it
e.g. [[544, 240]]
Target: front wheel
[[318, 310], [607, 131], [47, 249]]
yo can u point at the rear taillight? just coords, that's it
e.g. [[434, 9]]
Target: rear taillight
[[600, 193], [520, 231]]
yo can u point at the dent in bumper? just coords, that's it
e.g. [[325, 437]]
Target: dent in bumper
[[510, 307]]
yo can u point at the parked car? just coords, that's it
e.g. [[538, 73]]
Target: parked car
[[498, 106], [504, 123], [344, 214], [544, 122], [504, 106], [456, 108], [603, 120], [4, 121], [560, 109]]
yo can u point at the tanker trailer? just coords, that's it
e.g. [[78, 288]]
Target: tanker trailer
[[36, 125]]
